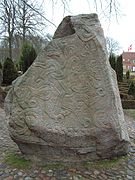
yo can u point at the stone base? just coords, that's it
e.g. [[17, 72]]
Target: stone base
[[66, 154]]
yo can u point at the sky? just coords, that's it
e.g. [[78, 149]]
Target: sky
[[121, 29]]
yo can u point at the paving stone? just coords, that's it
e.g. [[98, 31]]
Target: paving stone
[[37, 178], [93, 176], [16, 176], [118, 177], [28, 178], [46, 178], [87, 173], [20, 173], [96, 172], [20, 178], [121, 172], [50, 173], [130, 172], [76, 178], [54, 178], [3, 166], [1, 172], [9, 178], [129, 177], [42, 171], [104, 176], [100, 177]]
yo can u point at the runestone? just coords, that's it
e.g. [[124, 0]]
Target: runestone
[[66, 107]]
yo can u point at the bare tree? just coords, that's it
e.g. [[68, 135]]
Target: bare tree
[[22, 17], [113, 46], [8, 21], [27, 10], [105, 8], [29, 18]]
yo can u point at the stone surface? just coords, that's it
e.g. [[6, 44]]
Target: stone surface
[[66, 107]]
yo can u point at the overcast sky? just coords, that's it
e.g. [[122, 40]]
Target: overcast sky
[[122, 31]]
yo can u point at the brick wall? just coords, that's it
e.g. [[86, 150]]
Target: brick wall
[[128, 61]]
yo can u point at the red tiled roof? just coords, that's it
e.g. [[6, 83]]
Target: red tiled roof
[[128, 55]]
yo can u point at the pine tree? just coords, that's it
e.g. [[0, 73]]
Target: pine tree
[[9, 72], [131, 90], [0, 65], [128, 75], [112, 60], [119, 68], [28, 55]]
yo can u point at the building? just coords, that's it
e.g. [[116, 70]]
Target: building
[[128, 61]]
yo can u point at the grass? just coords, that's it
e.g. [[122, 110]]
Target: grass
[[105, 164], [17, 161], [102, 164]]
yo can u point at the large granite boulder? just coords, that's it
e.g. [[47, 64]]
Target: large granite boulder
[[67, 107]]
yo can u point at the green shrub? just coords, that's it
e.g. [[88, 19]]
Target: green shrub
[[131, 90], [0, 65], [28, 55], [128, 75], [17, 65], [112, 60], [9, 72], [119, 68]]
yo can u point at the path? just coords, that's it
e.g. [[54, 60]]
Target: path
[[123, 171]]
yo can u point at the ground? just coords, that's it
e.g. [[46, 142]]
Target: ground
[[13, 166]]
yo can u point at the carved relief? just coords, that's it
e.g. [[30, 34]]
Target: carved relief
[[69, 97]]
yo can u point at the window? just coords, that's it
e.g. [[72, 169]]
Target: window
[[133, 68]]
